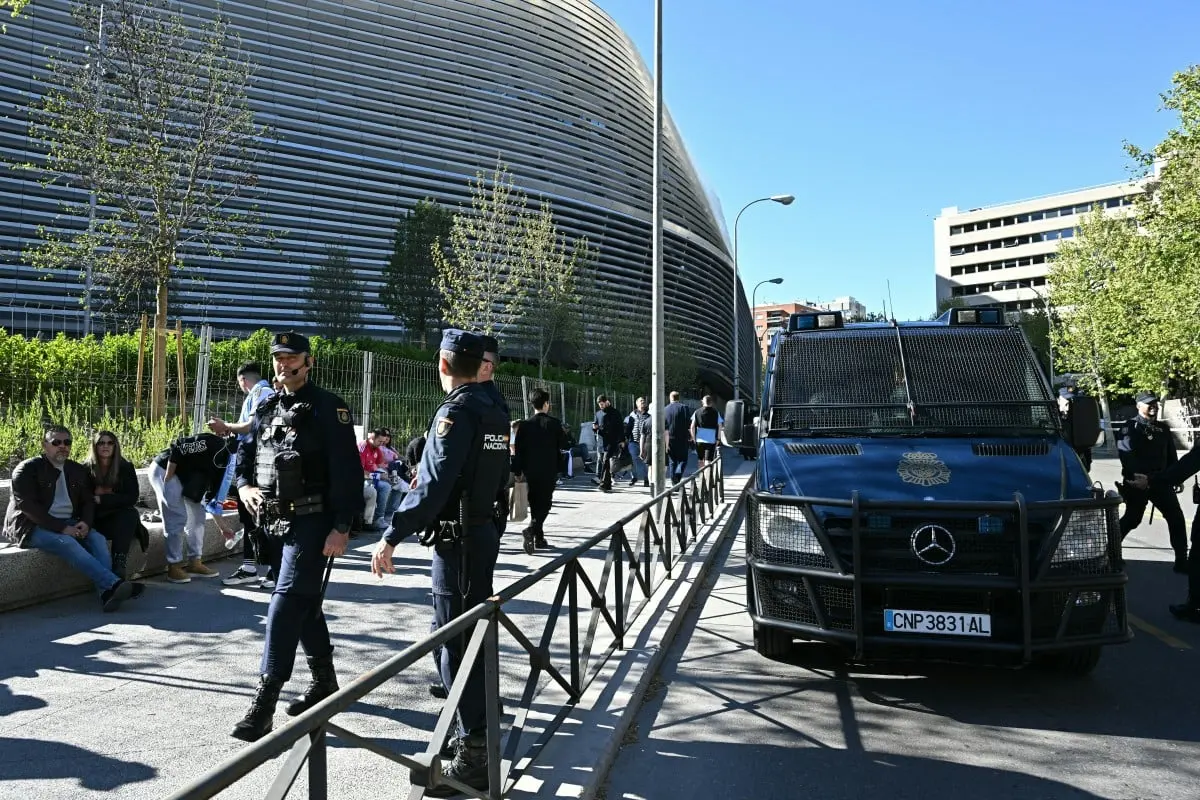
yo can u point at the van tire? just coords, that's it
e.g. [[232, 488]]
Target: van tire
[[1074, 663], [772, 642]]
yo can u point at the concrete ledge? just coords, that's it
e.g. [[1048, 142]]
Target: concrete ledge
[[28, 577], [575, 761]]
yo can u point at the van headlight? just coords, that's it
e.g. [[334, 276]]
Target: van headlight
[[785, 531], [1085, 538]]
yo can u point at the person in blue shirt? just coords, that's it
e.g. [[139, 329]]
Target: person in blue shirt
[[259, 550], [678, 435], [463, 467]]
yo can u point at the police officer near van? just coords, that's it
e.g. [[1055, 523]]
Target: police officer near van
[[1145, 447], [298, 472], [1176, 475], [463, 467]]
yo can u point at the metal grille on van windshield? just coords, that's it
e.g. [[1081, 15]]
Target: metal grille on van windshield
[[961, 380]]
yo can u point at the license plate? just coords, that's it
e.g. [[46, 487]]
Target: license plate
[[946, 623]]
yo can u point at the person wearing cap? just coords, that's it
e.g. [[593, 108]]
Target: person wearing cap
[[463, 467], [1066, 397], [299, 474], [1146, 447]]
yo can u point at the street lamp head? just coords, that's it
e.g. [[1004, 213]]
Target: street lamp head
[[776, 281], [783, 199]]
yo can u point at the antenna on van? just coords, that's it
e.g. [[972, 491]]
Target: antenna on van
[[890, 302]]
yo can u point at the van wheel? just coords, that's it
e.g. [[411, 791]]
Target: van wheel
[[1074, 663], [772, 642]]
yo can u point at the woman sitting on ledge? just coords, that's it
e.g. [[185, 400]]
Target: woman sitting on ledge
[[115, 490]]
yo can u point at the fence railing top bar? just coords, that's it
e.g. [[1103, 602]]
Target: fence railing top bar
[[282, 739]]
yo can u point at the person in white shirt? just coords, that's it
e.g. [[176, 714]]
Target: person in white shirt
[[706, 430]]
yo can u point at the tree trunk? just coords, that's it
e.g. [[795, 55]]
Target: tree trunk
[[158, 381]]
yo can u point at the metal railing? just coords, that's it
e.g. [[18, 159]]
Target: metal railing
[[666, 526]]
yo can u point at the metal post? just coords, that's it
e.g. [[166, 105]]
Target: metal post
[[562, 402], [98, 76], [525, 395], [368, 367], [203, 370], [658, 368]]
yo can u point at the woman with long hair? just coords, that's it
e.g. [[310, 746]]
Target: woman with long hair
[[115, 486]]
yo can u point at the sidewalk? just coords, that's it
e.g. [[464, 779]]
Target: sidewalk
[[138, 703]]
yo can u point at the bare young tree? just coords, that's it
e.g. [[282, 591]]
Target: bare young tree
[[480, 279], [154, 121]]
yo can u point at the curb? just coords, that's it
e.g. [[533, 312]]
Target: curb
[[576, 759]]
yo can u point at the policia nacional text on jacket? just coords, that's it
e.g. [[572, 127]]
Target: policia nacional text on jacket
[[463, 467]]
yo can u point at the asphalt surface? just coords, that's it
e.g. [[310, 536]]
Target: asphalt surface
[[723, 722], [138, 703]]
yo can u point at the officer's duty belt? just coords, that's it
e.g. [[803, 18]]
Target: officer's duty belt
[[299, 507]]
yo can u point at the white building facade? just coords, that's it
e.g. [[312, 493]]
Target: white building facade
[[1000, 255], [851, 309]]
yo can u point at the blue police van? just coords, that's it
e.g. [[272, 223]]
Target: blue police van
[[916, 497]]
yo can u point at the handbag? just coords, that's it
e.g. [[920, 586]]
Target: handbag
[[518, 502]]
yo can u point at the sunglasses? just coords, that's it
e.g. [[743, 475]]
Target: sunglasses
[[105, 443], [60, 442]]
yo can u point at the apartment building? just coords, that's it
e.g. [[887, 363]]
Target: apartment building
[[770, 318], [852, 310], [1000, 255]]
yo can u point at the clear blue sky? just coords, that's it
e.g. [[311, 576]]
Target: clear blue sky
[[877, 115]]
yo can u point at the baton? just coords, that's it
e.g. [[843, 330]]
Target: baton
[[325, 582]]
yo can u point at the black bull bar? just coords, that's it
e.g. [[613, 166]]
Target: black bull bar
[[1044, 603]]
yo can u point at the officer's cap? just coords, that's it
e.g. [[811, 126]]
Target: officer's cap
[[465, 342], [490, 343], [289, 342], [1147, 397]]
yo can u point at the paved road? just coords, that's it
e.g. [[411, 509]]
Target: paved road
[[139, 703], [723, 722]]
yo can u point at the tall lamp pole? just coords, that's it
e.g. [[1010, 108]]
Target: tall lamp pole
[[758, 342], [784, 200], [658, 468]]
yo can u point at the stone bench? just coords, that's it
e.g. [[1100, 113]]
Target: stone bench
[[28, 577]]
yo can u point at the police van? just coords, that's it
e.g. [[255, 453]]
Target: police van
[[916, 497]]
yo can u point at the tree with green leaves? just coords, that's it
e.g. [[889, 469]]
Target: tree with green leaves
[[410, 289], [157, 125], [334, 298], [1128, 285], [550, 270], [15, 7], [480, 277]]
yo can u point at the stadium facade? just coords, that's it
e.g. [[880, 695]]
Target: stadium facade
[[376, 105]]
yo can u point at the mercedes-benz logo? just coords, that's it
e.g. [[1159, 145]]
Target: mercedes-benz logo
[[934, 545]]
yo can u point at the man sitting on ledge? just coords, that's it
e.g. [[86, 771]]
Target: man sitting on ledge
[[51, 509]]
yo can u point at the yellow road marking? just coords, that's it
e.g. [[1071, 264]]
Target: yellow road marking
[[1158, 633]]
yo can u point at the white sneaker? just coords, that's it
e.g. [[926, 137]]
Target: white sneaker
[[240, 577], [266, 582]]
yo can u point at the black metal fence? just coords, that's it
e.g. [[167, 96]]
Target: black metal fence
[[635, 566]]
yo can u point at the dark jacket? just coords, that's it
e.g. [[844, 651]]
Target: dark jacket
[[540, 442], [33, 484], [124, 495], [609, 426], [200, 463], [1145, 447]]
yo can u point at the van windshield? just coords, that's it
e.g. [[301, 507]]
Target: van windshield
[[910, 381]]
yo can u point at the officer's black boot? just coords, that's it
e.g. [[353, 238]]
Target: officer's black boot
[[469, 767], [260, 718], [324, 683]]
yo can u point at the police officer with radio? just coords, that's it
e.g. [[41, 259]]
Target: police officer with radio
[[463, 466], [299, 474], [1145, 447]]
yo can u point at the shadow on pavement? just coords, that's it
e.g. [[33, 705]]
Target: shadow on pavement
[[33, 759]]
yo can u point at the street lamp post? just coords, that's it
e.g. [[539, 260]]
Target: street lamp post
[[758, 340], [784, 200], [658, 468]]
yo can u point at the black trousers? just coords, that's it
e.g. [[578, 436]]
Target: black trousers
[[257, 546], [1194, 563], [119, 526], [461, 579], [610, 453], [295, 616], [541, 499], [1166, 501]]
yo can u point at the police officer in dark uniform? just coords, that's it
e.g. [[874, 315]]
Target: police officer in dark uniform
[[487, 369], [1166, 480], [1067, 396], [1146, 447], [299, 473], [465, 462]]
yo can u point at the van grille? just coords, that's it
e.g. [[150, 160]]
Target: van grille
[[822, 449], [1012, 449]]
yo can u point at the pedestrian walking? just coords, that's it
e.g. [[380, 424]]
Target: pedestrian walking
[[677, 435], [639, 438], [258, 549], [539, 444], [1145, 447], [299, 474], [706, 431], [464, 465], [610, 437]]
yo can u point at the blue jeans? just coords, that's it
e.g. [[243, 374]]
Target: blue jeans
[[383, 493], [88, 555], [641, 469]]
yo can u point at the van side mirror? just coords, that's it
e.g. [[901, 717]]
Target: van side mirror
[[1082, 427], [735, 421]]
